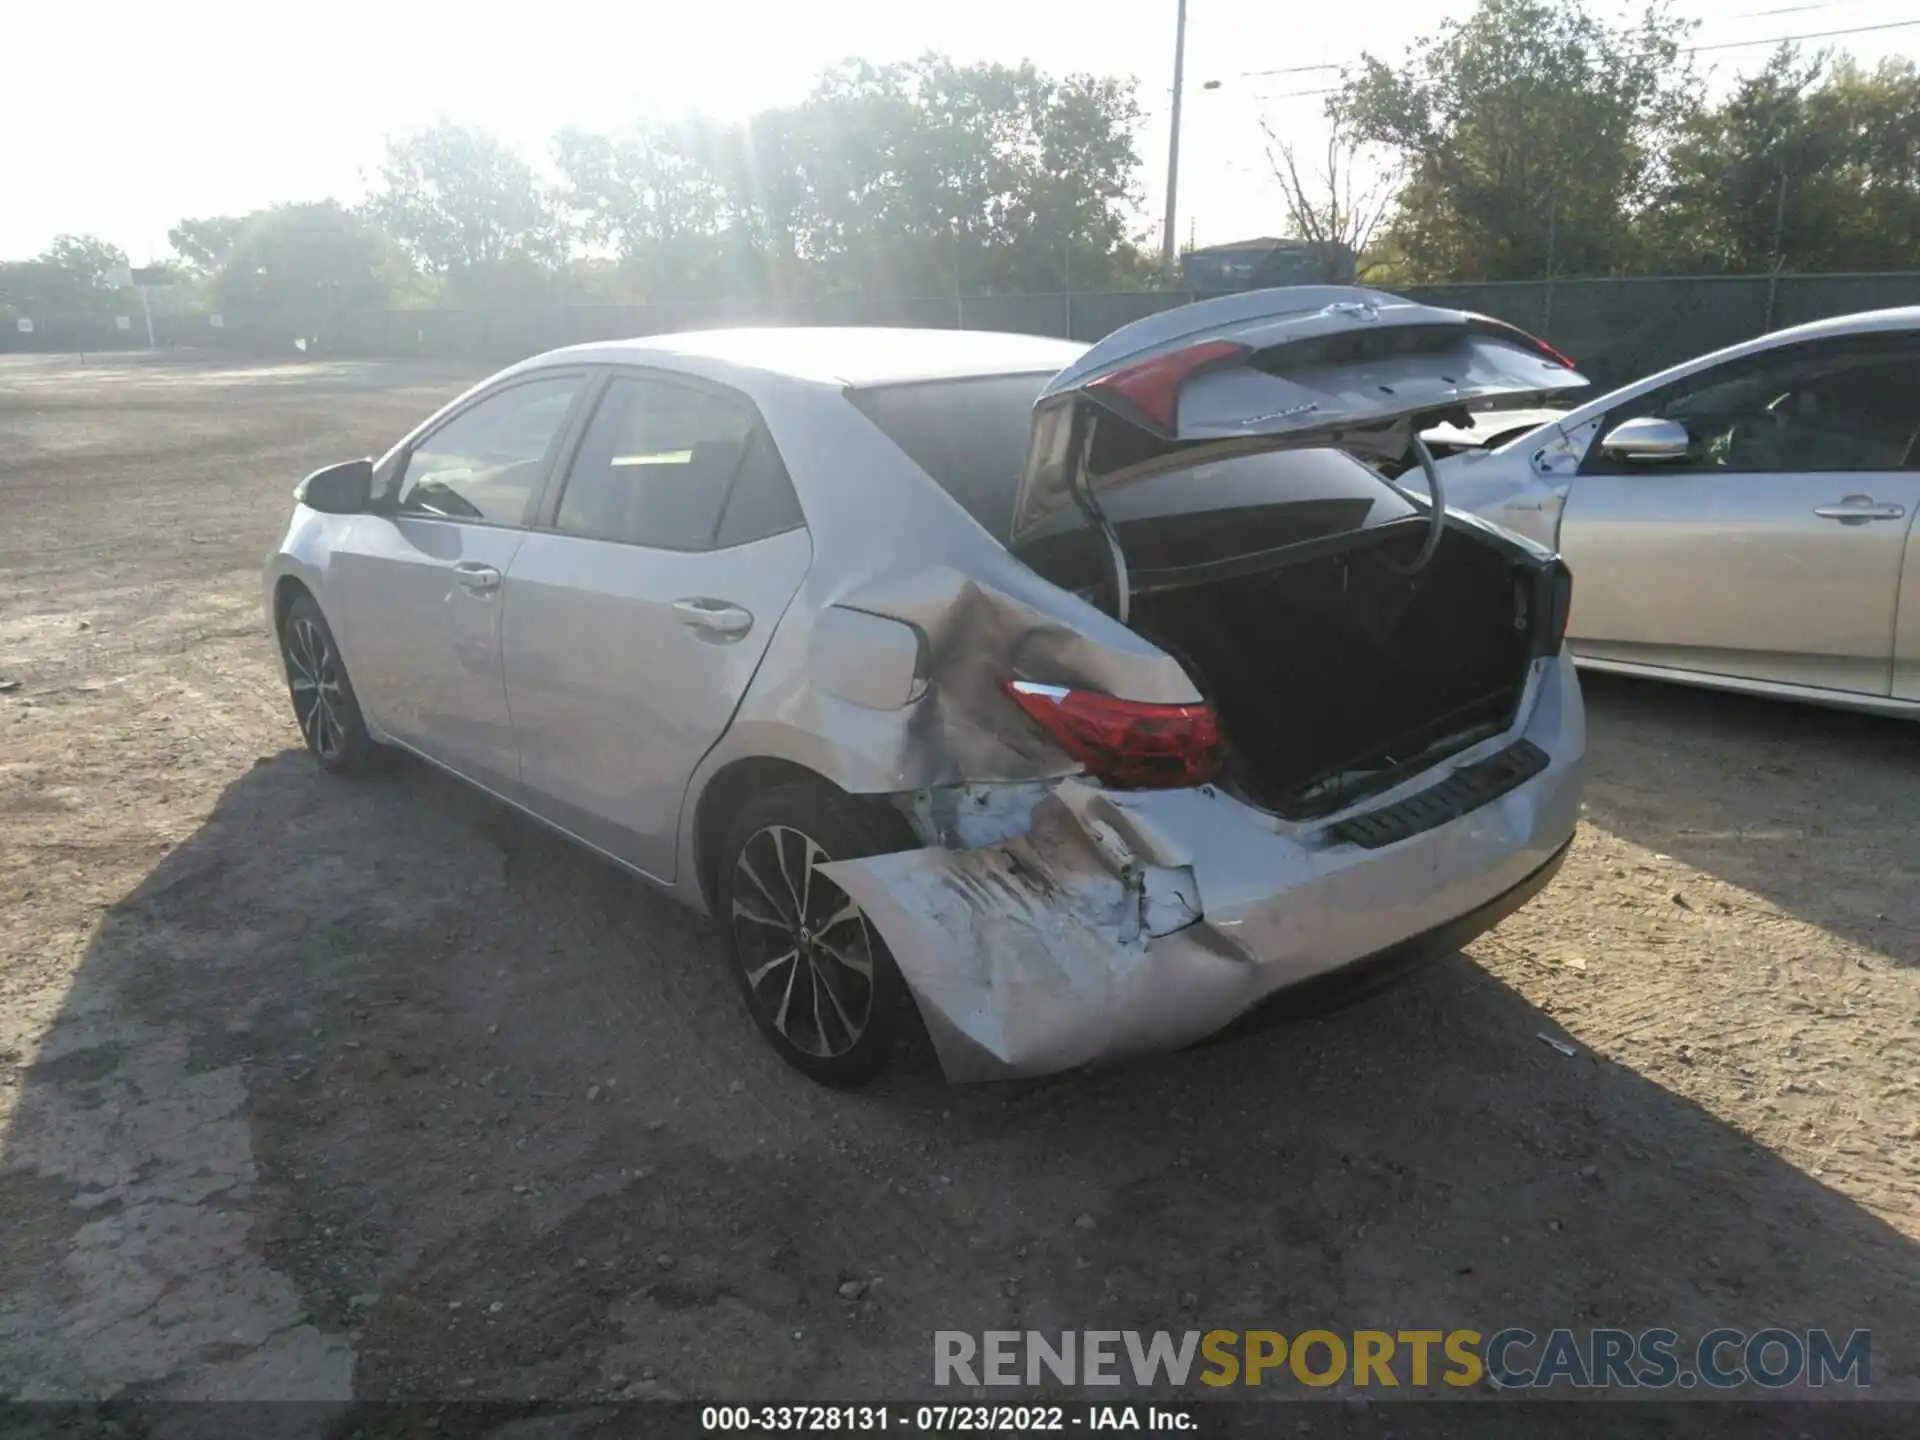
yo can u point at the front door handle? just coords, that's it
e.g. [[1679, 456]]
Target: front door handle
[[716, 618], [481, 579], [1858, 510]]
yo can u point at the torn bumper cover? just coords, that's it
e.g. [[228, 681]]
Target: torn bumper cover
[[1122, 923]]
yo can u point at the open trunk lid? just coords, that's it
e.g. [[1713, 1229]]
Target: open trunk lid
[[1305, 367]]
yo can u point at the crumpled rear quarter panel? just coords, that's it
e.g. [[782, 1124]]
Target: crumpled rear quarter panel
[[1059, 947]]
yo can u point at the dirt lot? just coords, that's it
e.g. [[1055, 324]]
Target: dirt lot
[[347, 1090]]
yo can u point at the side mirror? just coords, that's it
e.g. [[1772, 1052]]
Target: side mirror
[[1647, 439], [343, 489]]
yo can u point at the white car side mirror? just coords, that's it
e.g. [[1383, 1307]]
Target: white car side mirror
[[1647, 439]]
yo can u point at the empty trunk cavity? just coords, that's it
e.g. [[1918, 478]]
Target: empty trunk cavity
[[1336, 675]]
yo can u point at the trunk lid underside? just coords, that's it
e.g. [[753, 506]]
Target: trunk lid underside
[[1301, 368]]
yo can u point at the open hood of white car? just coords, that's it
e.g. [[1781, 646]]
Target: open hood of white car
[[1304, 367]]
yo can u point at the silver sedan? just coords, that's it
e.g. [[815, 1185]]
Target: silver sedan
[[1743, 521], [1075, 700]]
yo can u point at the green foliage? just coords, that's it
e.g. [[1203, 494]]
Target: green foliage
[[203, 244], [1528, 129], [1809, 165], [912, 178], [468, 209], [310, 259], [1538, 140], [1525, 139], [73, 276]]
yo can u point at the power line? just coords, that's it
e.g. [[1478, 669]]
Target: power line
[[1795, 39], [1297, 94], [1284, 70], [1690, 50]]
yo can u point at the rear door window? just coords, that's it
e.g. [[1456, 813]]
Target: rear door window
[[676, 467], [970, 435]]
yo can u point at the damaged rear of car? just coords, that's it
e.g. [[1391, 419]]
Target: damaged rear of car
[[1236, 712]]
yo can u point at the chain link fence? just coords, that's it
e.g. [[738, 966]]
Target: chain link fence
[[1615, 329]]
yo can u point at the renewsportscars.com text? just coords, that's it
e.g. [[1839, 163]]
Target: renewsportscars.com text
[[1510, 1359]]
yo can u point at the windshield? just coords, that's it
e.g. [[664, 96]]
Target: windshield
[[970, 435]]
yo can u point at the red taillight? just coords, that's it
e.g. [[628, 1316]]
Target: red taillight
[[1143, 747], [1514, 335], [1153, 386]]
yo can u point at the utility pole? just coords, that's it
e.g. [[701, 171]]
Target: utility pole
[[1780, 221], [1779, 248], [1553, 237], [1173, 148]]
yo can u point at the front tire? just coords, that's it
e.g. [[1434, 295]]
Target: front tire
[[324, 704], [816, 976]]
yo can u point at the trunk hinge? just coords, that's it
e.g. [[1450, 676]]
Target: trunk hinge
[[1090, 507]]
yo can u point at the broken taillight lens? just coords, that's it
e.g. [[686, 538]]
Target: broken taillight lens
[[1126, 742], [1153, 386]]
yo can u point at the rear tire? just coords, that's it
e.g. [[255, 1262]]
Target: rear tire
[[816, 976], [324, 704]]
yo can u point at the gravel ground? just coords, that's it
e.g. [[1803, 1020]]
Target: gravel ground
[[349, 1091]]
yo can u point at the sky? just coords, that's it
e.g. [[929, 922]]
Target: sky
[[116, 119]]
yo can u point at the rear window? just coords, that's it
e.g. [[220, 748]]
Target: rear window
[[969, 435]]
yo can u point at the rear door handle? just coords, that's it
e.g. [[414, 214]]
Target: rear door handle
[[481, 579], [1858, 509], [718, 618]]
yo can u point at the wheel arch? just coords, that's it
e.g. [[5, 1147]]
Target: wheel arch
[[286, 590], [723, 797]]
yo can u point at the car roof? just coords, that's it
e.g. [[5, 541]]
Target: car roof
[[1862, 322], [1899, 317], [839, 355]]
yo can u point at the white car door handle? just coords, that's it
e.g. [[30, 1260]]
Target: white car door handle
[[476, 577], [714, 617], [1858, 509]]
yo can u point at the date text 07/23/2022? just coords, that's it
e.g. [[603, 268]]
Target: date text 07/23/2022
[[941, 1419]]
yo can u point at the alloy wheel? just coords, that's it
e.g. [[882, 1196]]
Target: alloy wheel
[[313, 675], [802, 942]]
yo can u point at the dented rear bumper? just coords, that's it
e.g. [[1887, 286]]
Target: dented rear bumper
[[1115, 924]]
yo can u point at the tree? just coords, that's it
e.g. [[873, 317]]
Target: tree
[[917, 178], [1083, 187], [1332, 209], [73, 276], [932, 177], [305, 261], [1529, 130], [1878, 113], [203, 244], [467, 208], [1732, 168], [1808, 165], [654, 196]]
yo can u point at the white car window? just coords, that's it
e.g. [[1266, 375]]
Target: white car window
[[486, 463]]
